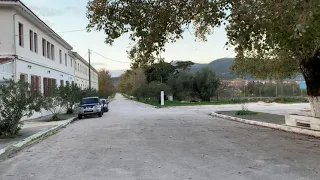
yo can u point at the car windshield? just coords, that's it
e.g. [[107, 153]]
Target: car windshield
[[103, 101], [89, 101]]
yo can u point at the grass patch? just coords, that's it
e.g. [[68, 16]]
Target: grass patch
[[262, 117], [178, 103], [245, 112]]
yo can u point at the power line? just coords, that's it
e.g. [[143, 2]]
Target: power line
[[109, 58]]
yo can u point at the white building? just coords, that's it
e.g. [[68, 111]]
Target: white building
[[31, 50], [81, 73]]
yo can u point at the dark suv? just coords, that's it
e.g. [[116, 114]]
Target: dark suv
[[90, 106]]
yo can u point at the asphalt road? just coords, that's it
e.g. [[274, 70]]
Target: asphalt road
[[136, 142]]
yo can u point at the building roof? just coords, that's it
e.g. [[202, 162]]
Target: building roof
[[20, 7], [83, 60]]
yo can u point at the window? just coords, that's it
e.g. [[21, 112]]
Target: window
[[71, 62], [44, 49], [31, 39], [65, 59], [60, 56], [48, 83], [35, 39], [67, 83], [24, 77], [48, 50], [35, 82], [52, 51], [61, 83], [21, 34], [78, 66]]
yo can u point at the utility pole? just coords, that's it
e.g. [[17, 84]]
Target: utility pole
[[89, 70]]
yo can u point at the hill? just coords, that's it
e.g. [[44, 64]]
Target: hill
[[222, 67]]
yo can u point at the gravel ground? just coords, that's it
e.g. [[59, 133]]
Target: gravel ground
[[136, 142]]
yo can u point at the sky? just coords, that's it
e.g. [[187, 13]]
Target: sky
[[70, 15]]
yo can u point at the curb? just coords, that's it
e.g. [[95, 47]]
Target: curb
[[10, 150], [270, 125]]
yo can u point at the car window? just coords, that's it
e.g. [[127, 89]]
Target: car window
[[103, 101], [89, 101]]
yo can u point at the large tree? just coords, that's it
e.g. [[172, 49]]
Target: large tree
[[106, 86], [159, 72], [285, 32]]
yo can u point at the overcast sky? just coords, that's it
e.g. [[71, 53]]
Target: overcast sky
[[62, 15]]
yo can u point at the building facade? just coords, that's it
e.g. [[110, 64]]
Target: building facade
[[81, 73], [30, 50]]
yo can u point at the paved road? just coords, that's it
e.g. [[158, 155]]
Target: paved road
[[136, 142]]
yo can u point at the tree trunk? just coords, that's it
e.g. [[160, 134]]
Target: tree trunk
[[311, 71]]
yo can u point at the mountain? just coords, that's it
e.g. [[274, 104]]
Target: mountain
[[222, 67]]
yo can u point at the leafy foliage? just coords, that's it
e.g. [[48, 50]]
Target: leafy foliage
[[55, 103], [206, 83], [159, 72], [106, 87], [17, 99], [184, 65], [152, 24], [71, 95], [131, 80], [152, 90], [182, 85]]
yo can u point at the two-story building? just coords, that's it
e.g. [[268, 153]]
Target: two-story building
[[81, 73], [30, 50]]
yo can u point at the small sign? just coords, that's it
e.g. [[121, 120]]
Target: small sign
[[303, 85]]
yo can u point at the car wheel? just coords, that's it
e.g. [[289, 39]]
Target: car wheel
[[79, 116], [100, 114], [107, 110]]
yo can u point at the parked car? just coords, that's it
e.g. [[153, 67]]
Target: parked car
[[90, 106], [105, 105]]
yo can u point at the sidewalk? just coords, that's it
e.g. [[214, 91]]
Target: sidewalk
[[34, 126]]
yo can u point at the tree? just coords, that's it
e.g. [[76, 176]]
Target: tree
[[182, 85], [184, 65], [106, 87], [282, 33], [17, 99], [159, 72], [131, 80], [206, 83]]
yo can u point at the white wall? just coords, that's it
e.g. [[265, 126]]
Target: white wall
[[6, 31], [43, 72], [81, 72], [38, 57]]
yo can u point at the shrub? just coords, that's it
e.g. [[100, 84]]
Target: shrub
[[55, 103], [244, 112], [17, 100], [71, 95]]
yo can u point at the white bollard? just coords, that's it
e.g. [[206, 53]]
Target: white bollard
[[162, 98]]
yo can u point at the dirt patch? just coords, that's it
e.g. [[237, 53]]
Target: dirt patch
[[262, 117]]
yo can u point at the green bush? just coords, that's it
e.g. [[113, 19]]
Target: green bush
[[55, 103], [17, 100], [246, 112], [152, 90]]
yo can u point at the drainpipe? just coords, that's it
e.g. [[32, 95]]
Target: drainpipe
[[15, 48]]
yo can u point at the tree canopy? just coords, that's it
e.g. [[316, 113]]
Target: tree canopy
[[285, 33]]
